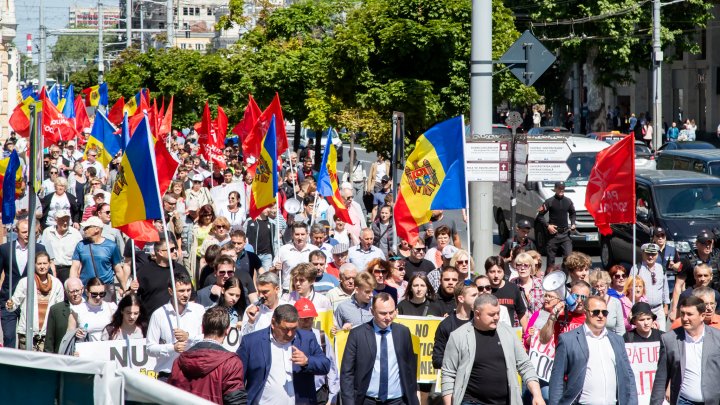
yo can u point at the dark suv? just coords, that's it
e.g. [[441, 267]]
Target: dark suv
[[681, 202]]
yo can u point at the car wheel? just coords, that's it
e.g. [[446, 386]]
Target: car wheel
[[503, 229], [606, 254], [541, 239]]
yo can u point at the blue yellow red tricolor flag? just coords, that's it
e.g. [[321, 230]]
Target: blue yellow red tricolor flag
[[9, 186], [435, 168], [265, 185], [136, 194], [328, 180], [103, 139], [132, 104], [20, 118]]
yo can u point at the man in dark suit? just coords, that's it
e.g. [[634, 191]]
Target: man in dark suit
[[19, 256], [689, 359], [367, 346], [57, 320], [591, 364], [281, 361]]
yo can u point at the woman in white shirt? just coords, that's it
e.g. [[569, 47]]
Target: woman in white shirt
[[128, 322], [234, 212], [90, 318]]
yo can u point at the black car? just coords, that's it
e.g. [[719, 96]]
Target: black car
[[681, 202], [686, 145]]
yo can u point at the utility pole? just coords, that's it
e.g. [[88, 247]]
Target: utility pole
[[128, 23], [170, 24], [481, 193], [142, 26], [101, 59], [577, 102], [42, 61], [657, 58]]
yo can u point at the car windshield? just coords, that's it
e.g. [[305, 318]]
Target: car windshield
[[580, 165], [683, 201]]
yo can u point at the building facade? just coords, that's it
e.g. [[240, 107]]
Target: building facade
[[88, 17], [9, 63]]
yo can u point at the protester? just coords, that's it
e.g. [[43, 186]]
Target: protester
[[224, 270], [380, 269], [346, 288], [448, 253], [634, 291], [706, 294], [365, 252], [539, 318], [530, 286], [416, 262], [396, 277], [339, 258], [258, 315], [56, 200], [599, 281], [232, 301], [260, 235], [63, 239], [657, 291], [465, 296], [507, 293], [565, 318], [577, 265], [385, 369], [643, 320], [219, 235], [618, 276], [356, 310], [303, 282], [281, 361], [324, 281], [418, 297], [327, 387], [88, 319], [292, 254], [59, 313], [128, 322], [48, 292], [98, 257], [153, 276], [207, 369]]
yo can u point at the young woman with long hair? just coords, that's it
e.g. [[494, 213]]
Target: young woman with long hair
[[128, 322]]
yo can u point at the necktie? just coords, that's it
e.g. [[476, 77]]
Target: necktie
[[383, 390]]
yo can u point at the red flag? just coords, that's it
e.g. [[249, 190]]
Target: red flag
[[20, 120], [252, 113], [143, 108], [166, 124], [82, 121], [252, 142], [153, 118], [141, 231], [610, 195], [55, 127], [210, 139], [162, 107], [166, 164], [116, 112]]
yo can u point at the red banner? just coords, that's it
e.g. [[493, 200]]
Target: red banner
[[211, 138], [610, 196]]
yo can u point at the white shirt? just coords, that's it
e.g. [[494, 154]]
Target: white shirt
[[600, 385], [279, 387], [221, 195], [290, 257], [160, 335], [21, 257], [320, 302], [691, 387], [93, 318], [57, 203], [61, 247], [361, 257], [262, 320]]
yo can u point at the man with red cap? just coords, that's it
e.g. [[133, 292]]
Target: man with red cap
[[327, 386]]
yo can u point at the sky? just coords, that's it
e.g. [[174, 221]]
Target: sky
[[27, 14]]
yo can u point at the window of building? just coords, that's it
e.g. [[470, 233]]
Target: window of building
[[199, 47], [197, 10], [183, 46], [209, 11], [185, 11]]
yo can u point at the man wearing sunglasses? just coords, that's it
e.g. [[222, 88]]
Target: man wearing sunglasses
[[563, 319], [657, 291], [591, 365], [154, 275], [416, 262], [224, 269]]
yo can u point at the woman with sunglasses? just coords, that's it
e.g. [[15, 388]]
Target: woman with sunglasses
[[464, 263], [633, 292], [657, 290], [380, 270], [600, 281], [201, 231], [530, 286], [397, 275], [128, 322], [48, 292], [90, 318], [618, 275]]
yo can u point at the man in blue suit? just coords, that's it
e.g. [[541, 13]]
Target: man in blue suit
[[281, 361], [591, 365]]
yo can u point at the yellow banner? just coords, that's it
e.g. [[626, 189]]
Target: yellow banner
[[324, 322], [422, 328]]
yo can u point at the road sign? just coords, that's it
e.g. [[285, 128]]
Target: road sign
[[528, 58], [548, 171], [520, 173], [521, 153], [482, 151], [548, 151], [482, 171]]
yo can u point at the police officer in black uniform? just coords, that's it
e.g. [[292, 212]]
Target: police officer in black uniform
[[558, 228], [704, 252], [519, 243]]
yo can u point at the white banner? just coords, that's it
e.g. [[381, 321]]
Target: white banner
[[131, 353], [643, 359], [542, 356], [232, 340]]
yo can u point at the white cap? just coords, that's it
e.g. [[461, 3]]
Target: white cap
[[62, 213], [92, 221], [197, 177]]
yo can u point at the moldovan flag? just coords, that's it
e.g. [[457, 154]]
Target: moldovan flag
[[136, 194], [265, 185], [610, 195], [103, 139], [9, 186], [434, 178], [20, 118], [327, 184]]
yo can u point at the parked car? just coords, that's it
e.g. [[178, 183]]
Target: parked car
[[698, 160], [644, 157], [681, 202], [686, 145], [609, 137]]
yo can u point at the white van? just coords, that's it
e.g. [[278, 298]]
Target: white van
[[531, 195]]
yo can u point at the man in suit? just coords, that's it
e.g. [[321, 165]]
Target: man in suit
[[20, 261], [470, 375], [281, 361], [689, 359], [591, 365], [57, 320], [375, 369]]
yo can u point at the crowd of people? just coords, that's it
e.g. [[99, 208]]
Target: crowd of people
[[219, 269]]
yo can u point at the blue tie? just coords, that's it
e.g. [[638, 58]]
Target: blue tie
[[383, 390]]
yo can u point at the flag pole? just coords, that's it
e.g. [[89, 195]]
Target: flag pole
[[637, 270], [277, 236], [134, 269], [312, 216], [467, 193], [10, 261], [294, 178]]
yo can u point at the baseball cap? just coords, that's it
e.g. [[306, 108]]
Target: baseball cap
[[641, 308], [62, 213], [92, 221], [449, 251], [704, 237], [192, 205], [197, 177], [340, 248], [524, 224], [305, 308], [385, 179], [70, 143], [560, 184], [659, 231], [650, 248]]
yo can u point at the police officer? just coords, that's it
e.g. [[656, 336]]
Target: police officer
[[704, 252], [668, 256], [559, 209], [520, 243]]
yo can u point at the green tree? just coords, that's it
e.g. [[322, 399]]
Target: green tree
[[72, 53]]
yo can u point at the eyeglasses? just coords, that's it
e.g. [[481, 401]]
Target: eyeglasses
[[226, 272], [522, 266], [422, 249], [53, 172], [74, 292], [580, 297], [348, 198], [597, 312], [484, 288], [378, 271], [172, 250], [710, 306], [619, 275], [98, 295], [462, 262], [550, 297], [104, 212], [221, 227], [661, 236], [171, 204]]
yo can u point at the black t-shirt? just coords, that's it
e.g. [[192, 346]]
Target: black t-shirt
[[154, 282], [488, 383], [634, 337], [510, 296], [425, 266], [260, 235], [248, 263], [443, 305], [141, 258], [406, 307], [387, 289]]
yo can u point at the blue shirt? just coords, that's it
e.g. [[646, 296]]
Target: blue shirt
[[107, 256], [325, 283], [394, 387]]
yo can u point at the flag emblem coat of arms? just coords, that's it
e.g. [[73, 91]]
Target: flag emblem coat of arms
[[422, 178]]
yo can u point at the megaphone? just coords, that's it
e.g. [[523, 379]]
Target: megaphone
[[292, 206], [555, 282]]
